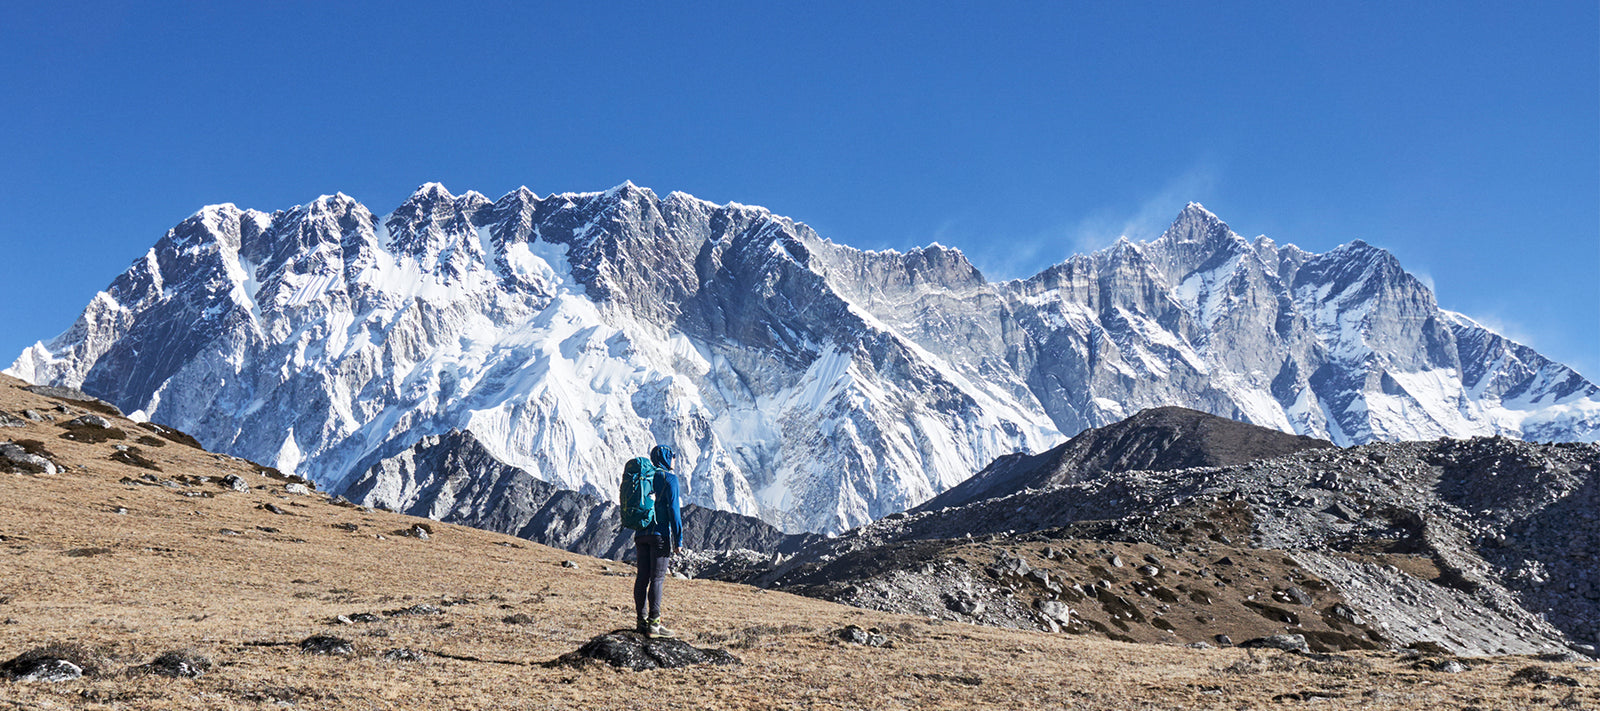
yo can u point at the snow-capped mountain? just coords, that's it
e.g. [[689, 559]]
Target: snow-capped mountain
[[811, 384]]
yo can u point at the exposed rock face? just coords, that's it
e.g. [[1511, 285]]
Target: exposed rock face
[[1155, 440], [1496, 538], [810, 384], [454, 478]]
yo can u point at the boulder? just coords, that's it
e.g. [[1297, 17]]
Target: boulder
[[631, 650], [47, 669], [20, 458], [51, 663]]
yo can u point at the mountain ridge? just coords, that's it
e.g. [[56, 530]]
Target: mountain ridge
[[811, 384]]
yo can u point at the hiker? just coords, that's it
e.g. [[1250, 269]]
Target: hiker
[[658, 527]]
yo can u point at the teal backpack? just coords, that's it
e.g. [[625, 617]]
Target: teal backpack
[[638, 496]]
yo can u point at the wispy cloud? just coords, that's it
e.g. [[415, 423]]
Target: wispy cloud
[[1149, 219]]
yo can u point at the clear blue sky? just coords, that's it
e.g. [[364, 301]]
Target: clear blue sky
[[1463, 136]]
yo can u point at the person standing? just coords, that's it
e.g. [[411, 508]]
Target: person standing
[[657, 544]]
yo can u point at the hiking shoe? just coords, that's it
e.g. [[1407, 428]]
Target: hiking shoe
[[642, 626], [655, 630]]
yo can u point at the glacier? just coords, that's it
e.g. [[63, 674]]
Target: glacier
[[810, 384]]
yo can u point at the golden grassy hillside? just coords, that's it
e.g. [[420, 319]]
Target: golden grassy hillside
[[128, 568]]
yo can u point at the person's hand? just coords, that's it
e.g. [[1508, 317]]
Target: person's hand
[[674, 552]]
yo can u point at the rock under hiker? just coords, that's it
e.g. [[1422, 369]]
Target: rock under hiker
[[656, 542]]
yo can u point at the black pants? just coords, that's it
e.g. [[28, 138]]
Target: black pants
[[652, 576]]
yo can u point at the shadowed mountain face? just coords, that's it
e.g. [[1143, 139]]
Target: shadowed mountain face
[[453, 478], [1156, 439], [807, 383]]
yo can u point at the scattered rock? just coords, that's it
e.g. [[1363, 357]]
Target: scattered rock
[[631, 650], [518, 619], [89, 421], [569, 564], [1012, 565], [235, 482], [1450, 666], [132, 456], [271, 508], [86, 552], [1344, 613], [297, 488], [963, 603], [1539, 675], [1056, 611], [417, 610], [74, 396], [1224, 640], [1116, 561], [346, 526], [20, 459], [91, 429], [52, 663], [855, 635], [402, 654], [176, 664], [47, 670], [324, 644], [1199, 645], [1293, 595], [1285, 642]]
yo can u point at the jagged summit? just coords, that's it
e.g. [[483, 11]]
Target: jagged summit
[[812, 384]]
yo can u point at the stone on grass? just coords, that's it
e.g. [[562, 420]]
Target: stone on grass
[[631, 650], [855, 635], [48, 670], [19, 458], [402, 654], [297, 488], [51, 663], [415, 611], [325, 644], [1539, 676], [1285, 642], [176, 664], [235, 482]]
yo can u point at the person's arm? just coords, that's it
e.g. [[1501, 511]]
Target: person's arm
[[677, 518]]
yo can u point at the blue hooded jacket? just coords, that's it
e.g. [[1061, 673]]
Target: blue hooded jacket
[[669, 517]]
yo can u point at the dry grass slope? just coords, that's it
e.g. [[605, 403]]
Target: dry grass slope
[[124, 569]]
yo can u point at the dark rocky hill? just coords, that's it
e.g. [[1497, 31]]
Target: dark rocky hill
[[1156, 439], [454, 478], [1480, 546]]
